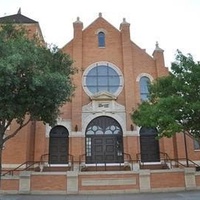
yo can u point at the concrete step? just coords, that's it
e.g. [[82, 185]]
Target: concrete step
[[154, 166], [54, 169], [106, 168]]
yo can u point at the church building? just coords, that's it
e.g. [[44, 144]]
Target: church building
[[95, 145]]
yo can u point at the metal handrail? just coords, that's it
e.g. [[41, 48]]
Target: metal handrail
[[70, 160], [195, 164], [163, 157], [28, 165], [169, 160], [42, 160], [128, 160], [166, 159], [178, 161]]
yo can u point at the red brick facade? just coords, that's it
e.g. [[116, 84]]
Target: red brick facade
[[131, 63]]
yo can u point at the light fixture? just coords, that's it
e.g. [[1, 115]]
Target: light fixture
[[76, 128]]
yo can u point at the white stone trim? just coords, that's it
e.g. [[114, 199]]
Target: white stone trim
[[142, 75], [114, 110], [120, 119], [100, 30], [62, 122], [77, 134], [11, 166], [108, 181], [131, 133]]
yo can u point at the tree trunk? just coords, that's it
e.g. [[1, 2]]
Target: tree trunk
[[0, 165], [1, 148]]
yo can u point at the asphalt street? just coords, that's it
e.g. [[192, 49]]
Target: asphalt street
[[183, 195]]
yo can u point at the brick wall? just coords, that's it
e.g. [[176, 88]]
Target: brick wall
[[101, 182]]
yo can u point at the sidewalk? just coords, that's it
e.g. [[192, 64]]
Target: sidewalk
[[181, 195]]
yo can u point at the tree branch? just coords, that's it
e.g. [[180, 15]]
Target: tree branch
[[7, 124], [17, 130]]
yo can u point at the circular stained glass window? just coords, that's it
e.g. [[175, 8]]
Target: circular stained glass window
[[102, 77]]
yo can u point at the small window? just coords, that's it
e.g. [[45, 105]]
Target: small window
[[144, 88], [196, 145], [101, 39]]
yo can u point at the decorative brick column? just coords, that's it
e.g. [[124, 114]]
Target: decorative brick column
[[72, 182], [24, 182], [190, 181], [144, 179]]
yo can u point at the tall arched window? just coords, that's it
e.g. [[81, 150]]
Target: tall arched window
[[101, 39], [144, 88]]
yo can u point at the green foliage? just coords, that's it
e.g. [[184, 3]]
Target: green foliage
[[34, 80], [174, 103]]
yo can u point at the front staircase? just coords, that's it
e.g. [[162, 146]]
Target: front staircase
[[167, 163], [155, 166], [40, 166], [127, 165]]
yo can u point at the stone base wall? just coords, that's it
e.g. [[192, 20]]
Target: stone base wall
[[73, 182]]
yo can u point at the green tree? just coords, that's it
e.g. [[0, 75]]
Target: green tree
[[35, 81], [174, 100]]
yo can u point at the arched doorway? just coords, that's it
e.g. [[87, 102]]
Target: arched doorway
[[149, 145], [58, 145], [104, 141]]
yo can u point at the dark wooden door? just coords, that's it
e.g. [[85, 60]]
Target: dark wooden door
[[58, 151], [104, 149], [149, 149], [58, 145]]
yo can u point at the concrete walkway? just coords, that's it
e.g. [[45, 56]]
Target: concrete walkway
[[183, 195]]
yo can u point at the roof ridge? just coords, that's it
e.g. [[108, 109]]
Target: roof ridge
[[17, 18]]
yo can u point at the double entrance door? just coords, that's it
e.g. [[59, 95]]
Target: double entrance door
[[105, 149], [104, 141]]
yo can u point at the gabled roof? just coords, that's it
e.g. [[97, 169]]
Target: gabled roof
[[101, 19], [17, 18]]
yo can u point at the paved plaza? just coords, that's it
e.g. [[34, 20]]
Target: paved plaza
[[183, 195]]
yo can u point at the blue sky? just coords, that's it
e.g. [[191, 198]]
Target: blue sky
[[173, 23]]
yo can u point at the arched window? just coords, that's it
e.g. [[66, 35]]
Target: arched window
[[144, 88], [101, 39]]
